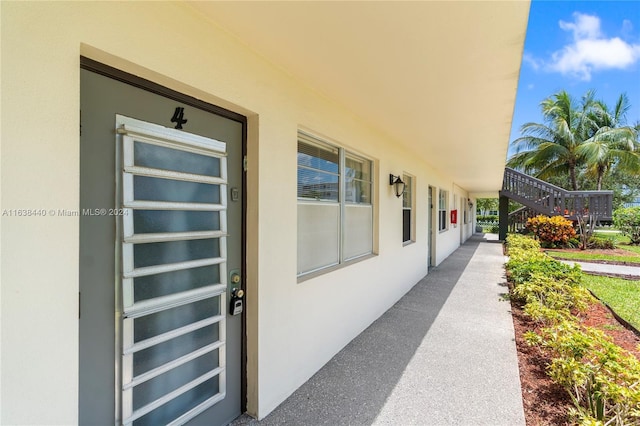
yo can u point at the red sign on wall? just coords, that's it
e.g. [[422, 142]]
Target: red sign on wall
[[454, 216]]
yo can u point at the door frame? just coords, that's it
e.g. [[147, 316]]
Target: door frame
[[461, 214], [150, 86], [431, 226]]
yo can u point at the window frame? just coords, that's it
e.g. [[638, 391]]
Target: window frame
[[410, 189], [442, 192], [464, 204], [343, 202]]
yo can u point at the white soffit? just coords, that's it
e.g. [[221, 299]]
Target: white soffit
[[439, 77]]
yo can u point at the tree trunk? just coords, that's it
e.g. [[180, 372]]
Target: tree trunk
[[572, 175], [601, 170], [600, 181]]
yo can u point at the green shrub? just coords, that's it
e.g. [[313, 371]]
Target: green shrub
[[551, 230], [550, 300], [522, 241], [487, 218], [573, 243], [601, 378], [548, 288], [601, 242], [627, 220], [523, 265], [542, 314]]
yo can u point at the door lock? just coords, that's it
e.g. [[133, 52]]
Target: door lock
[[236, 304]]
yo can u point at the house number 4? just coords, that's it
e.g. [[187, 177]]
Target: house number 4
[[178, 117]]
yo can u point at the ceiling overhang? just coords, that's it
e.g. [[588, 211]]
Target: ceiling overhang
[[439, 77]]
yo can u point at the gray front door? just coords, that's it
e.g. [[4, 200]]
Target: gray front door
[[160, 251]]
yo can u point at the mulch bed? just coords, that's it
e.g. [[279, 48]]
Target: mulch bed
[[601, 261], [615, 252], [610, 252], [546, 403]]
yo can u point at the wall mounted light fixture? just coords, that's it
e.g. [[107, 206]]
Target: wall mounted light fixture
[[470, 203], [397, 184]]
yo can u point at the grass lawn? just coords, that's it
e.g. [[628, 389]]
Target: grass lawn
[[614, 235], [586, 256], [623, 296], [621, 241], [635, 249]]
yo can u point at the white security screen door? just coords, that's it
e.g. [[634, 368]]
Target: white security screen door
[[173, 232], [157, 344]]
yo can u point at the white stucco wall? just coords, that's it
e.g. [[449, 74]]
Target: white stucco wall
[[300, 326]]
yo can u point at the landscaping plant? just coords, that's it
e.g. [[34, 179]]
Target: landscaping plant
[[602, 379], [526, 259], [601, 242], [627, 220], [585, 226], [488, 218], [551, 231]]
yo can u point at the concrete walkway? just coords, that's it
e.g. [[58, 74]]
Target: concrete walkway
[[443, 355]]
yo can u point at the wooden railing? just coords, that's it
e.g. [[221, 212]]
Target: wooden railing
[[518, 218], [551, 200]]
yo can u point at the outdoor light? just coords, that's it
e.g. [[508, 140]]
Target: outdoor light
[[470, 203], [398, 184]]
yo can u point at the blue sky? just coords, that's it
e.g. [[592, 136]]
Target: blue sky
[[577, 46]]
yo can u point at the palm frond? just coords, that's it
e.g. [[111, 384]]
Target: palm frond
[[621, 108], [578, 137]]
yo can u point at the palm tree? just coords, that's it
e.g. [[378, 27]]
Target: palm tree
[[551, 149], [611, 142]]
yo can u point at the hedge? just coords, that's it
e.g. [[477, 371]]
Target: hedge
[[602, 379]]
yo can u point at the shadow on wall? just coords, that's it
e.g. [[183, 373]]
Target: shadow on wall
[[353, 386]]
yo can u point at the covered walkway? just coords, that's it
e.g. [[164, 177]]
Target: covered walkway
[[443, 355]]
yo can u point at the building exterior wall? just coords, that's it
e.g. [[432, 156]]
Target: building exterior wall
[[293, 328]]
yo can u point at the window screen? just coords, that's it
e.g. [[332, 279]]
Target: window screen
[[407, 209], [335, 206], [443, 198]]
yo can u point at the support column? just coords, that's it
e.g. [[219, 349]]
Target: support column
[[503, 217]]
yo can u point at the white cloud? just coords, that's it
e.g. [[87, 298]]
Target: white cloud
[[586, 56], [584, 26], [590, 50]]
